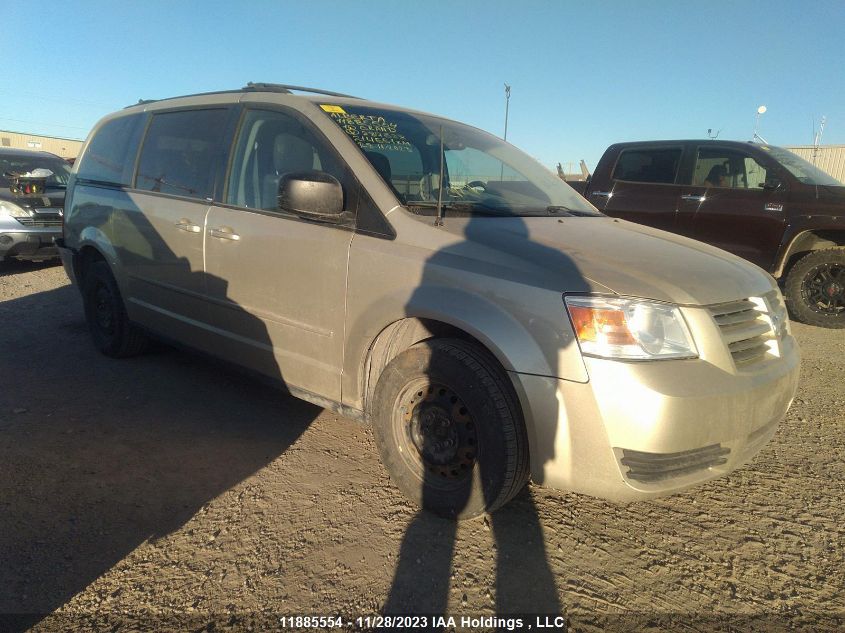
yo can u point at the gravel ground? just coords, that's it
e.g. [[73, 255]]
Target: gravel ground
[[168, 492]]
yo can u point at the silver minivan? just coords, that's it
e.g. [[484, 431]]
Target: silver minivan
[[431, 279]]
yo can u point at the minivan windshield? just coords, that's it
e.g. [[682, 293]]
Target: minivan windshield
[[803, 170], [482, 174], [24, 163]]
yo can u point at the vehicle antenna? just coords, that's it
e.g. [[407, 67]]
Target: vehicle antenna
[[438, 221]]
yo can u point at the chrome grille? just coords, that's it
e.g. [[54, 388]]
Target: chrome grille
[[650, 467], [747, 327], [42, 221]]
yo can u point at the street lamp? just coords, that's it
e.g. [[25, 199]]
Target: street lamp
[[757, 137], [507, 104]]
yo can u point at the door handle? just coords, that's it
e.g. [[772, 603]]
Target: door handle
[[693, 198], [602, 194], [185, 224], [224, 233]]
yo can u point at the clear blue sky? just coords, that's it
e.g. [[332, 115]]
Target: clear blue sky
[[583, 74]]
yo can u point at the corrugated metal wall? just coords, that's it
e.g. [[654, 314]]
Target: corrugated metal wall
[[64, 147], [829, 158]]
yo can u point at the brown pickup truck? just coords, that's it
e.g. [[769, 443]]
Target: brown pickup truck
[[760, 202]]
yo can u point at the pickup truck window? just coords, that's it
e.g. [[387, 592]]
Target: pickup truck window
[[657, 165], [720, 167], [803, 170]]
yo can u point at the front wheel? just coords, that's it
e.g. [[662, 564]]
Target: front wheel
[[815, 288], [112, 332], [449, 429]]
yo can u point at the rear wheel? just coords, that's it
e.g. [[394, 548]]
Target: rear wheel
[[449, 429], [815, 288], [112, 332]]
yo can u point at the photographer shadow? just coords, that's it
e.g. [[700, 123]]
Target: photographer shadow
[[524, 582]]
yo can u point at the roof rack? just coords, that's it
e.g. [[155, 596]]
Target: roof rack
[[196, 94], [252, 87], [265, 87]]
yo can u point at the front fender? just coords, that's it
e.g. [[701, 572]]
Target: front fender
[[536, 341]]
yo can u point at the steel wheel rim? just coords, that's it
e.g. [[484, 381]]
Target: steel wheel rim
[[437, 431], [104, 309]]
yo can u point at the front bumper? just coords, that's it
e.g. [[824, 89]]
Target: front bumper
[[67, 256], [640, 430], [29, 244]]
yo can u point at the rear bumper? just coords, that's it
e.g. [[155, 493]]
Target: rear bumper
[[29, 244], [641, 430]]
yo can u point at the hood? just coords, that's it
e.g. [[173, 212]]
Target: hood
[[835, 193], [601, 254], [51, 198]]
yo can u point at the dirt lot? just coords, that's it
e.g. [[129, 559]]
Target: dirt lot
[[169, 492]]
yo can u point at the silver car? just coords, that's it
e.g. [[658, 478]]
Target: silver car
[[433, 280], [31, 216]]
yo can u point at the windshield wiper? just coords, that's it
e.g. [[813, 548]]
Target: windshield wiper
[[460, 206], [576, 213]]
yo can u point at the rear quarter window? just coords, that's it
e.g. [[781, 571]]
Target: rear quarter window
[[657, 165], [110, 156]]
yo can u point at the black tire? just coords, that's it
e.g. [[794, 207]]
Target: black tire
[[113, 334], [449, 429], [815, 288]]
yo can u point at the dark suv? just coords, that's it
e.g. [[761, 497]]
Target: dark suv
[[760, 202], [31, 216]]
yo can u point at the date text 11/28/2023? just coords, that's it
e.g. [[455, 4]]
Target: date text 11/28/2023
[[540, 622]]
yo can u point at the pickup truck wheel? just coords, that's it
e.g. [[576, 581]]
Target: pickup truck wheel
[[449, 429], [113, 334], [815, 288]]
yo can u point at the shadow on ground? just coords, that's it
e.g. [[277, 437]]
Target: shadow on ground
[[101, 455]]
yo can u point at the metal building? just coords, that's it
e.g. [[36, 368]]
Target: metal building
[[829, 158], [64, 147]]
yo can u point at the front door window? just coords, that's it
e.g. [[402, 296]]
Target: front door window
[[270, 145]]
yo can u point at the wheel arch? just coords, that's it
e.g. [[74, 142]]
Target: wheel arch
[[86, 256], [402, 334], [807, 242]]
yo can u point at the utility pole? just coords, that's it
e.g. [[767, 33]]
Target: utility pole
[[817, 139], [507, 104]]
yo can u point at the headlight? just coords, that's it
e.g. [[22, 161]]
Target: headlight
[[11, 210], [630, 329]]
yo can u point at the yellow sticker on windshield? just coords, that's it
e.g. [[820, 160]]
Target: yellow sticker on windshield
[[332, 108]]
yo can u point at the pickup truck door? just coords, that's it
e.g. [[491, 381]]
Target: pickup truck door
[[730, 206], [643, 187]]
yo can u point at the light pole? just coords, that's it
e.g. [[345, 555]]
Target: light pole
[[507, 104], [757, 137]]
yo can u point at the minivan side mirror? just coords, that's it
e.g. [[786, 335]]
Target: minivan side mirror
[[312, 194]]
